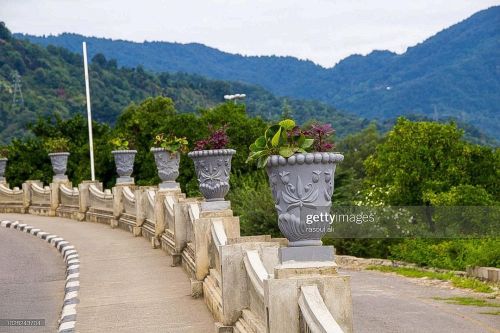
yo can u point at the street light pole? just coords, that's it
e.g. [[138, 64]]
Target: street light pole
[[89, 112]]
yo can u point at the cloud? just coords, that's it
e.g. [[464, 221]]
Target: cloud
[[320, 30]]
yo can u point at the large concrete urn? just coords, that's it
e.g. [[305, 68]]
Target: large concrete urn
[[213, 168], [302, 187], [59, 164], [124, 161], [167, 164], [3, 166]]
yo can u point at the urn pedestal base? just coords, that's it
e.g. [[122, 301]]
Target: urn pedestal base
[[125, 181], [168, 185], [60, 179], [215, 205], [306, 253]]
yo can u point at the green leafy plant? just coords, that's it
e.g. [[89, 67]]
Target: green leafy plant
[[119, 143], [57, 145], [4, 152], [171, 143], [284, 138]]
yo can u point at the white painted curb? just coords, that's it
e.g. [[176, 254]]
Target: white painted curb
[[67, 321]]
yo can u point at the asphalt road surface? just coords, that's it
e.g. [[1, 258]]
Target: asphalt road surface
[[32, 278], [388, 303]]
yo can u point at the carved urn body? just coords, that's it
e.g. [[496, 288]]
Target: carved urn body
[[3, 166], [59, 163], [302, 188], [167, 164], [124, 161], [213, 168]]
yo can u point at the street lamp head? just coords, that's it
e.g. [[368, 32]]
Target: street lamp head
[[236, 96]]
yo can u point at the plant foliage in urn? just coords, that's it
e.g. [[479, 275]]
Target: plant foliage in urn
[[4, 153], [167, 151], [57, 145], [300, 170], [124, 160], [212, 161], [58, 153], [284, 138]]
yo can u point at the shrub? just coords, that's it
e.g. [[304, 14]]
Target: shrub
[[455, 254]]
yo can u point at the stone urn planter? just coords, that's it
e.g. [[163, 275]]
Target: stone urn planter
[[124, 161], [167, 164], [3, 166], [213, 168], [302, 186], [59, 163]]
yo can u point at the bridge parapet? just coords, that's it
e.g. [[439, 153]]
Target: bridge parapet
[[11, 200], [244, 284]]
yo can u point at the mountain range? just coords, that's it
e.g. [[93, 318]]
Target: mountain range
[[453, 74], [51, 81]]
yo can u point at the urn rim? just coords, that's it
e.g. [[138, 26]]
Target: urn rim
[[212, 152], [305, 158], [124, 151], [65, 153]]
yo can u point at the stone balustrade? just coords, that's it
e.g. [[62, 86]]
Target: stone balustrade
[[241, 279]]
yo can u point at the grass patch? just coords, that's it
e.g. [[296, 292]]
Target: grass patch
[[494, 313], [467, 301], [457, 281]]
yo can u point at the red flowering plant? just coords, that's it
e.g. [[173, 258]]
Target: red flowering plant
[[217, 139], [321, 133]]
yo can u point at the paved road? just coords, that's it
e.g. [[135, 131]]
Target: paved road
[[125, 286], [388, 303], [32, 278]]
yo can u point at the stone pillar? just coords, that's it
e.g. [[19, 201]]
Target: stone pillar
[[27, 193], [160, 197], [282, 294], [54, 193], [202, 233], [118, 203], [83, 188], [140, 214]]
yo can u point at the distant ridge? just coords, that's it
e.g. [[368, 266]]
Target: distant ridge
[[455, 73], [52, 84]]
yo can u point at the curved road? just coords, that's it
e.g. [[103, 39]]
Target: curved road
[[32, 279], [388, 303], [125, 286]]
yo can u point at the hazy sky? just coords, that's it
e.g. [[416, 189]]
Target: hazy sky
[[324, 31]]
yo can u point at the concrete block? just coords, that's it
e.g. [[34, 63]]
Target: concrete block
[[306, 253], [137, 231], [196, 288], [176, 259], [221, 328], [308, 268]]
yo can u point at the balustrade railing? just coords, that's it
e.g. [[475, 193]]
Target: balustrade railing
[[239, 277], [314, 315]]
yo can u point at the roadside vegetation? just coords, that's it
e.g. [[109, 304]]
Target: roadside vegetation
[[457, 281]]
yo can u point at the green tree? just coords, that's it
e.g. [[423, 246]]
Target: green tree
[[415, 157]]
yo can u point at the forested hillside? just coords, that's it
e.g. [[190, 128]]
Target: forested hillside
[[455, 73], [52, 83]]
